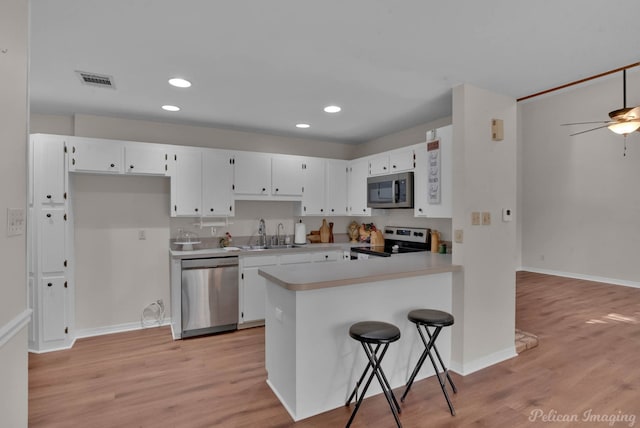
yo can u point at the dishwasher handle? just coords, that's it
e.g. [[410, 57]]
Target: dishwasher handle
[[209, 263]]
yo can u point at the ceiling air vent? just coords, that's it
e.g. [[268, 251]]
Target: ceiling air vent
[[93, 79]]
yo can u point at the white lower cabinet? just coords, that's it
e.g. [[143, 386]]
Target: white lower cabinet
[[253, 286], [54, 308]]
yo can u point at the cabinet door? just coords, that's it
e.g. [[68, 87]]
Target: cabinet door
[[336, 187], [49, 175], [401, 160], [357, 193], [52, 240], [313, 180], [217, 183], [102, 156], [254, 295], [145, 160], [379, 165], [286, 176], [187, 190], [252, 173], [54, 308]]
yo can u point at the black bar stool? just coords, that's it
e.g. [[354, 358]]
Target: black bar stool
[[436, 319], [380, 334]]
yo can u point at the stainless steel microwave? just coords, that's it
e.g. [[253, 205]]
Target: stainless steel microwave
[[390, 191]]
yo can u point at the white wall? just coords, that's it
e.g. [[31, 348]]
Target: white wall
[[14, 29], [581, 205], [117, 275], [484, 180]]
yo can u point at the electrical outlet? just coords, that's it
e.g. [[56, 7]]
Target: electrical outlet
[[475, 218], [142, 235], [506, 214], [458, 236], [486, 218]]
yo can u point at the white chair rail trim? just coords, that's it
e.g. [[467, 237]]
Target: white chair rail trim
[[11, 328]]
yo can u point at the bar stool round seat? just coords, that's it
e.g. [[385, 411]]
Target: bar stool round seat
[[436, 320], [374, 332], [431, 317], [375, 337]]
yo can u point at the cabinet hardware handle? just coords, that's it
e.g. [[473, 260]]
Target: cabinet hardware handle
[[48, 196], [196, 210], [384, 167], [131, 166], [326, 256], [230, 208], [112, 165], [73, 161], [420, 209], [48, 215], [263, 189], [364, 210], [49, 284], [66, 330], [73, 149], [65, 217], [394, 166], [175, 208], [65, 284], [321, 210], [277, 189], [64, 195], [332, 210], [210, 209], [65, 263]]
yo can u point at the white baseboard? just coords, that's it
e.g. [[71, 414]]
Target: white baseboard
[[484, 362], [14, 326], [603, 279], [118, 328]]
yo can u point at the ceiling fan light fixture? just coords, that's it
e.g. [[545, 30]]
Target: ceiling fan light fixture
[[624, 128]]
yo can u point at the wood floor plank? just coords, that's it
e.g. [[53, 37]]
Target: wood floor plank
[[588, 360]]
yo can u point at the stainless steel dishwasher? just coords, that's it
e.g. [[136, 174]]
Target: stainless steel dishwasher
[[209, 295]]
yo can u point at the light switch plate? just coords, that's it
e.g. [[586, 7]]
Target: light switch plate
[[475, 218], [486, 218], [458, 236], [15, 221]]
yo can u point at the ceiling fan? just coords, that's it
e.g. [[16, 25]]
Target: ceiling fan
[[623, 121]]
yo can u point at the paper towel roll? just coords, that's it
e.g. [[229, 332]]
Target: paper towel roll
[[300, 234]]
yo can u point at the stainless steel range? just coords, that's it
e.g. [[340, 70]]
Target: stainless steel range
[[397, 240]]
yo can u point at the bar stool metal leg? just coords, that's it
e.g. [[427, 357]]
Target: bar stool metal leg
[[429, 345], [374, 363]]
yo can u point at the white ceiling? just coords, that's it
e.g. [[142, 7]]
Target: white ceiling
[[267, 65]]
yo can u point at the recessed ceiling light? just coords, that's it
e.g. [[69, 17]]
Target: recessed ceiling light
[[179, 83], [170, 108], [302, 125], [332, 109]]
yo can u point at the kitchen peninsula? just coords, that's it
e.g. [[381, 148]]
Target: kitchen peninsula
[[311, 362]]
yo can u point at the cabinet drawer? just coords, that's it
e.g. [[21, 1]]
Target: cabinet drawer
[[259, 261], [287, 259]]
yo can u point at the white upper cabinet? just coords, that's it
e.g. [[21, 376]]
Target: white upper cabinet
[[93, 155], [217, 183], [313, 181], [392, 161], [264, 176], [252, 174], [336, 187], [379, 164], [433, 189], [357, 189], [402, 160], [286, 175], [145, 159], [48, 164], [186, 184]]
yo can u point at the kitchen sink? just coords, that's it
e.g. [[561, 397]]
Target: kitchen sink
[[269, 247]]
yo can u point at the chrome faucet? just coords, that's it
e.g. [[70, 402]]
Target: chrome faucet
[[279, 239], [262, 233]]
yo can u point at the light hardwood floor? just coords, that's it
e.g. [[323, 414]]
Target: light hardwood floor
[[588, 360]]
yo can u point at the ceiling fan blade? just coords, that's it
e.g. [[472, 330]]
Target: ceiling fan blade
[[589, 130], [633, 114], [583, 123]]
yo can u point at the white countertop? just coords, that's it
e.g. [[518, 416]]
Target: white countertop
[[318, 275]]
